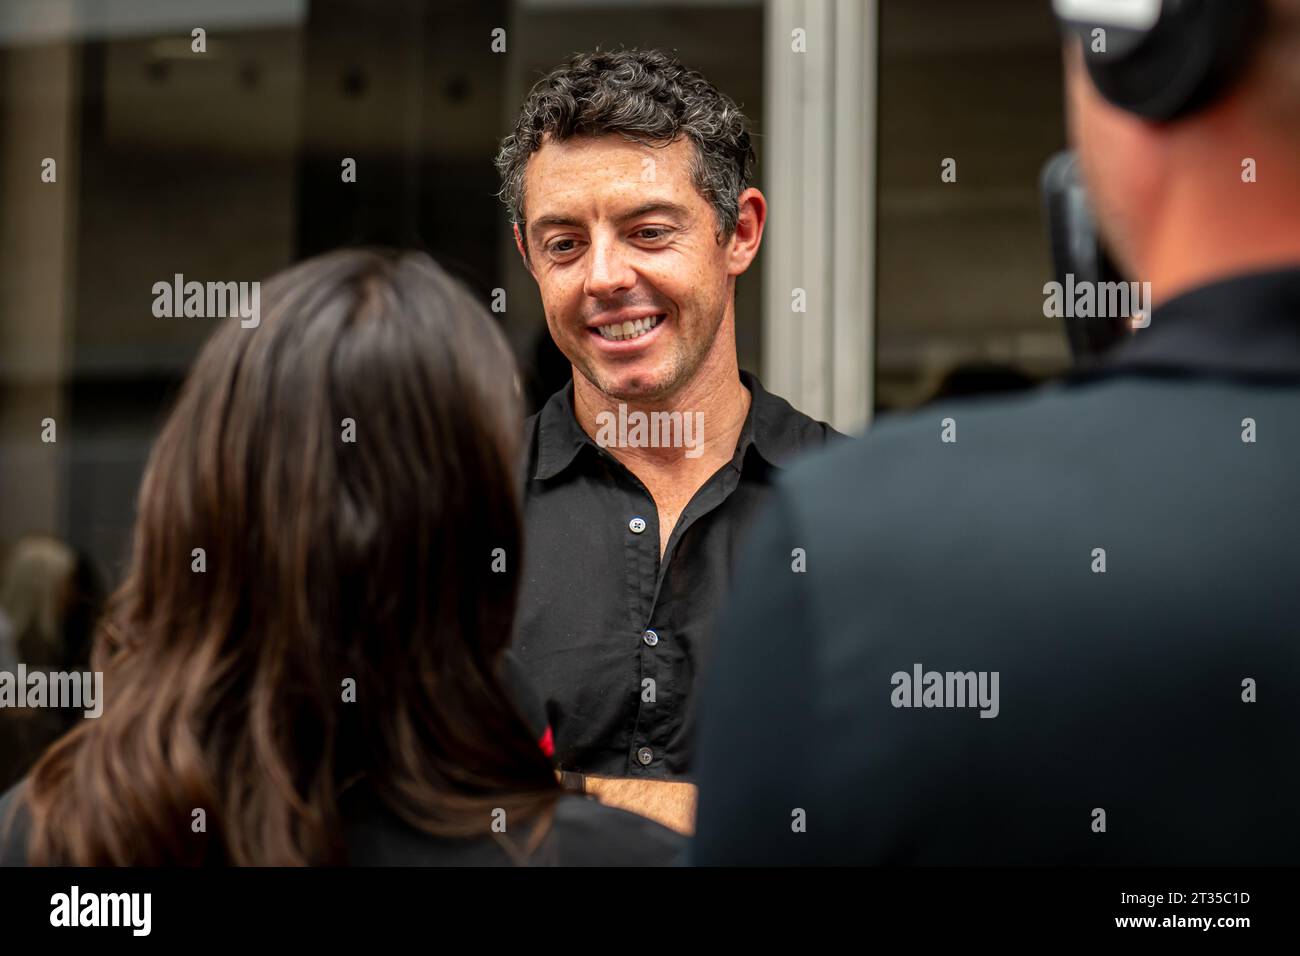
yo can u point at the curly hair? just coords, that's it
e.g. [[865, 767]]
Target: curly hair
[[647, 96]]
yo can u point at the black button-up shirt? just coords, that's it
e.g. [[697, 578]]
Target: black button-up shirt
[[612, 636]]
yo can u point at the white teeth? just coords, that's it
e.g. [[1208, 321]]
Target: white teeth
[[629, 330]]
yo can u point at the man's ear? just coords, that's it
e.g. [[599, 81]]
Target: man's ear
[[523, 250], [749, 230]]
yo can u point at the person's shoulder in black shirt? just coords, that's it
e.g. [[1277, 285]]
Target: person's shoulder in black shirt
[[581, 832], [973, 685]]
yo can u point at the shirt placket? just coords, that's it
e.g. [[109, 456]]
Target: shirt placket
[[641, 564], [656, 652]]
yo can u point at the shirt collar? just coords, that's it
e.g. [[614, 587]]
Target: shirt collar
[[775, 429], [559, 438], [1247, 325], [772, 426]]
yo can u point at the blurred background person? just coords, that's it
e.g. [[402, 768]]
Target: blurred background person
[[50, 596], [1060, 628], [304, 664]]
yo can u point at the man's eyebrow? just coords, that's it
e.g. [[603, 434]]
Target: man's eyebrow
[[645, 209], [659, 205], [551, 220]]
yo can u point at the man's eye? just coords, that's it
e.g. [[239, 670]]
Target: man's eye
[[561, 246], [652, 232]]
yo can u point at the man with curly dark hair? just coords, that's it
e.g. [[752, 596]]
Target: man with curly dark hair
[[627, 179]]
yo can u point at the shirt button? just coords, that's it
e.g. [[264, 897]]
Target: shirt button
[[651, 638], [644, 756], [637, 525]]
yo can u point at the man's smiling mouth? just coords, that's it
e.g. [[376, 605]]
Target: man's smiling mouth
[[626, 331]]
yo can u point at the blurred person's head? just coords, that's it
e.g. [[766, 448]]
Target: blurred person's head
[[347, 469], [626, 177], [49, 596], [1170, 196]]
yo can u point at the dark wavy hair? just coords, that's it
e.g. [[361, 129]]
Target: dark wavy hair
[[326, 560], [647, 96]]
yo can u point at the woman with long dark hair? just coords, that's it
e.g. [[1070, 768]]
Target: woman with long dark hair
[[304, 664]]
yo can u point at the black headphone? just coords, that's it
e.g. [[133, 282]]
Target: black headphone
[[1164, 59]]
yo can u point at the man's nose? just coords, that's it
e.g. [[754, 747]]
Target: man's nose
[[608, 272]]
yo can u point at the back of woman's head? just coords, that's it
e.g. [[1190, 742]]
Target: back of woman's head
[[316, 600]]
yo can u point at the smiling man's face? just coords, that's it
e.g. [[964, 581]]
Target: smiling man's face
[[626, 253]]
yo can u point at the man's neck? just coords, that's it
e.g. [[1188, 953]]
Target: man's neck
[[1216, 228], [715, 399]]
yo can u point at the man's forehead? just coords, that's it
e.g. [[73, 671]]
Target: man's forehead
[[607, 168]]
